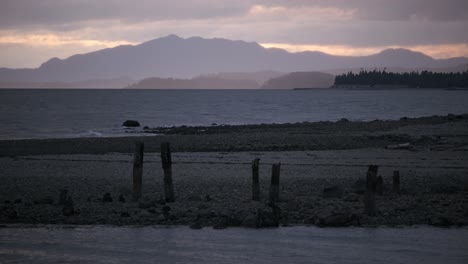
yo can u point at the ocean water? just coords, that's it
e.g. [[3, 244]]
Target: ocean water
[[52, 113], [235, 245]]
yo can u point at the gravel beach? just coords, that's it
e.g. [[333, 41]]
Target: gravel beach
[[322, 182]]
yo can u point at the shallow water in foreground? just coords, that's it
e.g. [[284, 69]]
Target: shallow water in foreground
[[233, 245]]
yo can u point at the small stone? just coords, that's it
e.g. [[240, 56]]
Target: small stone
[[166, 208], [440, 221], [18, 201], [7, 201], [121, 199], [220, 226], [196, 225], [107, 198], [12, 214], [208, 198], [195, 198], [124, 214]]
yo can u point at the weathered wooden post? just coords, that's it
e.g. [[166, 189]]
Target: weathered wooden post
[[396, 182], [255, 180], [274, 187], [167, 167], [369, 200], [379, 185], [138, 170]]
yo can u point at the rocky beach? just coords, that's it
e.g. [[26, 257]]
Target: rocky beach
[[88, 181]]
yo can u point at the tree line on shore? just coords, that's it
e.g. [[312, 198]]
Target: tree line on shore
[[423, 79]]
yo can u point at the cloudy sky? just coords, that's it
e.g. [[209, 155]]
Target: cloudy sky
[[32, 31]]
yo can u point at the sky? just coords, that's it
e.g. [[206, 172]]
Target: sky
[[33, 31]]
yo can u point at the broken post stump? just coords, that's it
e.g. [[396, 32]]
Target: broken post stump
[[379, 185], [166, 161], [255, 180], [369, 199], [138, 170], [274, 186], [396, 182]]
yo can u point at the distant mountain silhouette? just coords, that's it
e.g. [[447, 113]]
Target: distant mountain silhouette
[[176, 57], [202, 82], [301, 80], [259, 77]]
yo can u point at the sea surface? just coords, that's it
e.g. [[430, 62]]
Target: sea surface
[[234, 245], [52, 113]]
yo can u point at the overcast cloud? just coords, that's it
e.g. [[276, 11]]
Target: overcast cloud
[[66, 27]]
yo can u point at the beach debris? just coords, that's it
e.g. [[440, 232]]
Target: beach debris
[[138, 170], [18, 201], [396, 182], [166, 161], [400, 146], [274, 186], [68, 207], [107, 198], [7, 202], [166, 208], [255, 180], [131, 123], [121, 198], [63, 196], [334, 191]]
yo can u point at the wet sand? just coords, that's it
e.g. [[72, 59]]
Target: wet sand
[[212, 176]]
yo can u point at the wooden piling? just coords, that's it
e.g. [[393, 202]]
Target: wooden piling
[[379, 185], [274, 187], [369, 200], [255, 180], [166, 161], [138, 170], [396, 182]]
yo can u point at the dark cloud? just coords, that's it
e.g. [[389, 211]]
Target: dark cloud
[[445, 10], [36, 13]]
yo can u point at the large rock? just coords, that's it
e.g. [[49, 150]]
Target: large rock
[[328, 218], [334, 191], [131, 123]]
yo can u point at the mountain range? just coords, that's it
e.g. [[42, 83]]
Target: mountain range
[[175, 57]]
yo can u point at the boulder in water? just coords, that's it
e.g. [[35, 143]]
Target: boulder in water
[[131, 123]]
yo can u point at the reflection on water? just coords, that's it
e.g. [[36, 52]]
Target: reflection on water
[[236, 245]]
